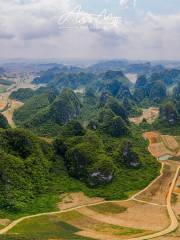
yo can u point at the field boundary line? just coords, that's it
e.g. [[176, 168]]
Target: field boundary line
[[14, 223]]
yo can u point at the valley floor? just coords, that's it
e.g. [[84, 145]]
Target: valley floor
[[151, 213]]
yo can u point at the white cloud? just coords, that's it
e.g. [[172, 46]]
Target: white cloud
[[127, 3], [30, 28]]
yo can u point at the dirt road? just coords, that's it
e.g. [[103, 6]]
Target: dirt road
[[14, 223], [173, 220]]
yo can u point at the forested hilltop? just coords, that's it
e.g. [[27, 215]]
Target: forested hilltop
[[74, 134]]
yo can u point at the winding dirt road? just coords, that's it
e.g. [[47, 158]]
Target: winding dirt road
[[174, 222], [172, 216]]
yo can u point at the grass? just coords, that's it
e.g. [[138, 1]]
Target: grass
[[174, 198], [127, 180], [62, 226], [3, 89], [108, 208], [46, 227], [1, 226], [43, 203], [118, 230]]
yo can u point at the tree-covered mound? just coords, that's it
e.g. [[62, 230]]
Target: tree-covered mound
[[169, 119], [24, 168], [50, 112], [33, 173], [22, 94]]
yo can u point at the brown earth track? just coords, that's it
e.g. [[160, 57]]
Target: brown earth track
[[157, 192], [171, 214], [138, 215]]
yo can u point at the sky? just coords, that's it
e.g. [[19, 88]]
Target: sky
[[90, 29]]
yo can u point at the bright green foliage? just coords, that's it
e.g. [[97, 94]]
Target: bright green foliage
[[73, 128], [31, 108], [48, 115], [78, 159], [65, 107], [106, 115], [102, 171], [23, 169]]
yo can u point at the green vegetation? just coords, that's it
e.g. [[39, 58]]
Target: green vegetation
[[108, 208], [150, 90], [3, 89], [3, 122], [24, 169], [61, 226], [6, 82], [48, 112], [94, 147], [174, 198], [169, 120], [22, 94], [43, 228], [41, 172]]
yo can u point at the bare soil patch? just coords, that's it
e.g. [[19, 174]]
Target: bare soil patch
[[71, 200], [2, 105], [159, 149], [176, 203], [4, 222], [138, 215], [98, 228], [158, 191], [170, 142], [10, 111], [167, 238], [152, 137], [132, 77], [150, 115], [162, 145], [102, 236]]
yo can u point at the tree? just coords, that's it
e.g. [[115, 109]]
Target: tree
[[127, 156], [78, 159], [140, 88], [103, 171], [60, 147], [157, 91], [24, 168], [168, 113], [176, 92], [73, 128], [117, 108], [3, 122], [116, 127], [106, 115]]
